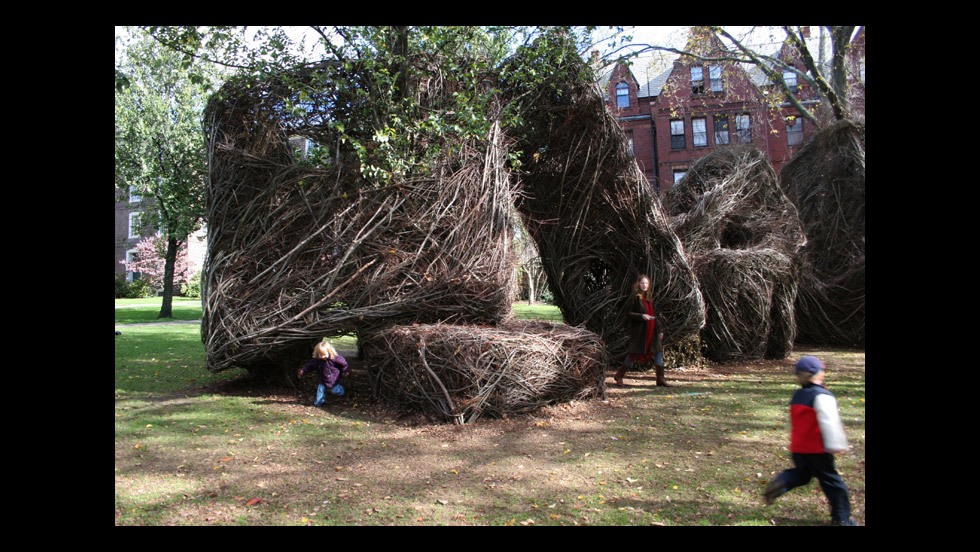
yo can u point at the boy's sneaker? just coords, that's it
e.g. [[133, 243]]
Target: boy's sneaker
[[849, 522], [774, 489]]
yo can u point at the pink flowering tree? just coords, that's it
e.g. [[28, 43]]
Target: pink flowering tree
[[151, 260]]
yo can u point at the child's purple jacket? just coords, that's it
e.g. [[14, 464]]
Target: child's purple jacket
[[328, 371]]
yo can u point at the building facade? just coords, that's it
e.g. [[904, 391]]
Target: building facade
[[680, 115], [132, 225]]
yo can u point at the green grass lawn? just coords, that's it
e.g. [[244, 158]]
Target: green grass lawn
[[197, 448], [539, 311]]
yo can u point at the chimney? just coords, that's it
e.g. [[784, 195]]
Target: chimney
[[805, 31], [595, 57]]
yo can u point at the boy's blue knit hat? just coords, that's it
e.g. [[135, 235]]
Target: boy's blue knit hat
[[810, 364]]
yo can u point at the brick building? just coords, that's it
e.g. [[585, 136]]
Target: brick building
[[131, 227], [678, 116]]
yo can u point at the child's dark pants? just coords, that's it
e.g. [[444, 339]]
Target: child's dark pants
[[821, 466]]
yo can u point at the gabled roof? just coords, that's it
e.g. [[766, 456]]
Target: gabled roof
[[653, 87], [603, 81]]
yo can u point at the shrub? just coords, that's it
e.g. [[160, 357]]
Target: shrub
[[122, 286], [140, 288], [192, 287], [546, 296]]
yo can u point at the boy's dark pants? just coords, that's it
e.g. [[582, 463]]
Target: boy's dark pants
[[820, 466]]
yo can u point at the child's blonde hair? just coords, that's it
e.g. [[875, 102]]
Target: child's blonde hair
[[324, 349]]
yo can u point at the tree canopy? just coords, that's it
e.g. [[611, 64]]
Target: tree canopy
[[159, 142]]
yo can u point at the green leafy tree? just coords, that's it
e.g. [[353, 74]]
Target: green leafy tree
[[392, 124], [160, 152]]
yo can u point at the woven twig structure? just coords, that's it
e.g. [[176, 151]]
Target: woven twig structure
[[825, 180], [300, 250], [459, 373], [743, 236], [597, 222]]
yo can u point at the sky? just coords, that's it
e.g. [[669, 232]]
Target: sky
[[673, 36], [763, 39]]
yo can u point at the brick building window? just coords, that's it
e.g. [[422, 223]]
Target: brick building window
[[629, 142], [721, 130], [133, 196], [697, 80], [794, 131], [622, 95], [789, 77], [131, 257], [679, 174], [135, 223], [714, 76], [743, 129], [699, 131], [677, 140]]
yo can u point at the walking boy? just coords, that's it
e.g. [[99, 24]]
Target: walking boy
[[816, 434]]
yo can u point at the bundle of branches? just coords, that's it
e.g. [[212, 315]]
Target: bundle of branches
[[743, 236], [598, 224], [459, 373], [825, 180], [306, 246], [687, 353]]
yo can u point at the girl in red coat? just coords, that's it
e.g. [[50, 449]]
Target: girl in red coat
[[645, 331]]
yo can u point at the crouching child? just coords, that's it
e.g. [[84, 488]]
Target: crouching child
[[331, 369]]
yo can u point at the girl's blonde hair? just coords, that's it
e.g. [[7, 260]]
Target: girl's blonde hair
[[324, 349], [636, 287]]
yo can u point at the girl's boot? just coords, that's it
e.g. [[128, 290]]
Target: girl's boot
[[661, 380], [618, 378]]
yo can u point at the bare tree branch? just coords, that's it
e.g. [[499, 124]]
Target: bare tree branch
[[772, 74]]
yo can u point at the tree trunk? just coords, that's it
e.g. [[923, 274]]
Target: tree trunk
[[167, 308], [841, 43], [532, 294]]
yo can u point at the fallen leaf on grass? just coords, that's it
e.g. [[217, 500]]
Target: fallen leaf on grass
[[443, 502], [253, 501], [226, 459]]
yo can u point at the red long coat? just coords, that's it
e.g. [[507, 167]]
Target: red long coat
[[636, 329]]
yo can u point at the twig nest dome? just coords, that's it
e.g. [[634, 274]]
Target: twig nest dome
[[597, 222], [301, 248], [825, 180], [459, 373], [742, 235]]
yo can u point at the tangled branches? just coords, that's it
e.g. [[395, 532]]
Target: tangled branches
[[825, 180], [298, 250], [597, 222], [742, 236], [460, 372]]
